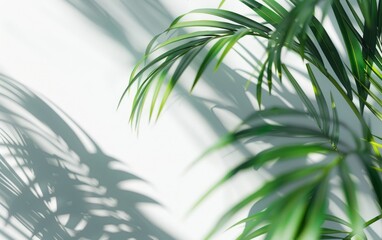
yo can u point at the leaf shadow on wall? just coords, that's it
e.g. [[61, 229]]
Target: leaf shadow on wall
[[56, 183]]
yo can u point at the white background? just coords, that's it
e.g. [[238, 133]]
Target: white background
[[83, 65]]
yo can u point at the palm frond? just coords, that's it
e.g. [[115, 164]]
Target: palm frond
[[298, 197]]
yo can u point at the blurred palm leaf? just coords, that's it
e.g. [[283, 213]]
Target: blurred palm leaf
[[298, 197]]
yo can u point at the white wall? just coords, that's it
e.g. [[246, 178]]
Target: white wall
[[83, 65], [81, 60]]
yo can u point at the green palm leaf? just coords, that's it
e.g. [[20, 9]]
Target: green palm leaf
[[298, 209]]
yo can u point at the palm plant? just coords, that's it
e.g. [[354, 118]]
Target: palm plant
[[296, 199]]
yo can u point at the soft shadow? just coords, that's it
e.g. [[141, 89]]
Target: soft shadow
[[56, 182]]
